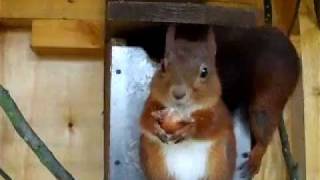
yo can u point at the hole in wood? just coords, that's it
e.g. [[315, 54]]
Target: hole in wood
[[70, 125]]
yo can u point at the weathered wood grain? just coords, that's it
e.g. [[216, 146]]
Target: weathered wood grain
[[62, 99], [48, 9], [67, 36], [310, 40], [181, 13]]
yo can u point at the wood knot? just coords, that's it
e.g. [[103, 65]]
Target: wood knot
[[70, 125], [316, 91]]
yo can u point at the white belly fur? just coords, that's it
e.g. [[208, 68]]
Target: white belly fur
[[187, 160]]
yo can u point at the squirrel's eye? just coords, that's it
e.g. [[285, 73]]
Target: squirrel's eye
[[203, 72]]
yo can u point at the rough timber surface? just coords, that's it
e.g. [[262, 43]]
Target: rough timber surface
[[62, 99], [171, 12]]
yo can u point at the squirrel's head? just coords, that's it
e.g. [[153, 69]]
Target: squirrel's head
[[188, 75]]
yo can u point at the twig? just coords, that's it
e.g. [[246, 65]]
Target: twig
[[292, 165], [294, 19], [30, 137], [317, 10], [4, 175]]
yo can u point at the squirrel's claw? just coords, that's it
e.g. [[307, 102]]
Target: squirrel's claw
[[183, 133], [161, 134]]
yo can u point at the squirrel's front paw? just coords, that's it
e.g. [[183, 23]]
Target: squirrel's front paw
[[172, 127], [250, 167], [161, 115], [183, 133], [161, 134]]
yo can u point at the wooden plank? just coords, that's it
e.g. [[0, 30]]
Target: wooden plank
[[178, 1], [67, 35], [107, 99], [295, 119], [181, 13], [295, 126], [310, 39], [201, 1], [252, 2], [53, 9], [62, 98]]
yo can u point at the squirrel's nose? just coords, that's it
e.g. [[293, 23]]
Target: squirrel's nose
[[179, 92]]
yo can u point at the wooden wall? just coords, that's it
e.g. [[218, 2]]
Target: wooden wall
[[52, 9], [62, 98], [310, 44]]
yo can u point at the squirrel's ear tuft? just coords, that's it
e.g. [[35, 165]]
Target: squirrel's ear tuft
[[170, 39], [211, 40], [164, 64]]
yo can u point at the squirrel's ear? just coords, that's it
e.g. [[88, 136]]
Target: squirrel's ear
[[212, 46], [164, 64], [170, 39]]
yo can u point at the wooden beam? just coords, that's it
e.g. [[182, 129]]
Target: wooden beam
[[294, 116], [107, 100], [67, 35], [52, 9], [181, 13], [310, 39], [203, 1], [253, 2]]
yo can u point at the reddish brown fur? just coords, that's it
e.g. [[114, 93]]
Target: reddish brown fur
[[147, 121], [152, 160], [213, 123], [223, 167], [186, 68]]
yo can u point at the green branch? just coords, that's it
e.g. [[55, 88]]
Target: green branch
[[4, 175], [292, 166], [30, 137]]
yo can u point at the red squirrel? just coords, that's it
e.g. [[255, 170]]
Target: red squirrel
[[258, 70], [187, 131]]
